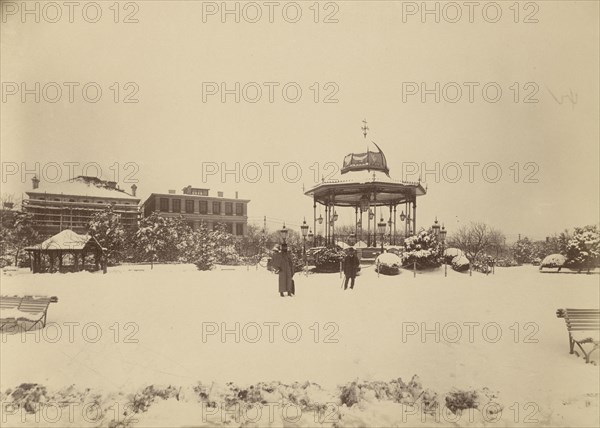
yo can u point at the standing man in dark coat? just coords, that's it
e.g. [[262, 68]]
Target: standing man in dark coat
[[351, 264], [285, 268]]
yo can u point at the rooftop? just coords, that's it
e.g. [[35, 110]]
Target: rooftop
[[84, 186]]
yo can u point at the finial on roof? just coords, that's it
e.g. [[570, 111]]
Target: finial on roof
[[364, 128]]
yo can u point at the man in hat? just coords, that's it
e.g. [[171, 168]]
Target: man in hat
[[284, 266], [351, 264]]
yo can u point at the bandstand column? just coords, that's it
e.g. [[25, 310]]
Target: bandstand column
[[327, 223], [375, 220], [333, 222], [415, 215], [356, 223], [394, 224], [315, 218], [407, 210]]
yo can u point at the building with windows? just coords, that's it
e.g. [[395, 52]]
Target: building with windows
[[197, 206], [71, 204]]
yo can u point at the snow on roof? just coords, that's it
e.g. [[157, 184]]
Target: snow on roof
[[83, 186], [65, 240]]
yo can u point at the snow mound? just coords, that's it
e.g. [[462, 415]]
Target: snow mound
[[553, 261], [389, 259]]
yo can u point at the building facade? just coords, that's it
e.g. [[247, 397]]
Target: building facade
[[71, 204], [197, 206]]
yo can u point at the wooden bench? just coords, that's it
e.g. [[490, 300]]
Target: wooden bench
[[34, 309], [580, 322]]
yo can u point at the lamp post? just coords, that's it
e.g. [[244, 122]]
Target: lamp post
[[283, 232], [304, 229], [320, 220], [334, 218], [371, 216], [381, 228], [443, 238]]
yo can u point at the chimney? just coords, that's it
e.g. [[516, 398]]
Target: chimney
[[236, 194], [220, 194], [133, 189], [111, 184], [36, 182], [172, 192]]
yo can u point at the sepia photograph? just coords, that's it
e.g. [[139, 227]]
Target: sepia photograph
[[309, 213]]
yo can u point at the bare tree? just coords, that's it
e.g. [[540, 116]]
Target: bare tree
[[475, 239]]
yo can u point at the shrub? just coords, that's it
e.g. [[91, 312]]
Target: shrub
[[460, 263], [423, 248], [328, 259]]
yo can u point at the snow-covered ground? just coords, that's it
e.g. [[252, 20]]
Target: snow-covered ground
[[164, 327]]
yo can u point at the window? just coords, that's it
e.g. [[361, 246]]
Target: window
[[239, 209], [164, 204], [229, 227], [228, 208], [216, 207], [176, 205], [203, 207], [189, 206], [239, 229]]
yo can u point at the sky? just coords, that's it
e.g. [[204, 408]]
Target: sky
[[517, 102]]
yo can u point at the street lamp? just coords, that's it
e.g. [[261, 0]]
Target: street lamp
[[370, 217], [381, 227], [436, 228], [304, 229], [364, 203], [283, 232], [443, 239], [319, 236]]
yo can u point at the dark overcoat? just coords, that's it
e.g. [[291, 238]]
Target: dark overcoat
[[351, 264], [283, 262]]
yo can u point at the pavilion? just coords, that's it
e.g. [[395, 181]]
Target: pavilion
[[365, 185], [66, 243]]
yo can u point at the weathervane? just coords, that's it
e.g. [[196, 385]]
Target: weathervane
[[365, 128]]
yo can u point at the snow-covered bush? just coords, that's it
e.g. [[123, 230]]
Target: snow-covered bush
[[105, 226], [460, 263], [506, 262], [328, 259], [358, 392], [423, 248], [524, 251], [583, 250], [163, 239], [141, 401], [224, 246], [388, 264], [459, 400], [450, 253], [553, 261]]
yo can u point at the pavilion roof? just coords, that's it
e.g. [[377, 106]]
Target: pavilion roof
[[348, 189], [65, 240]]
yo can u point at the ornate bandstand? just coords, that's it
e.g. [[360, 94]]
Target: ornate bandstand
[[364, 183]]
